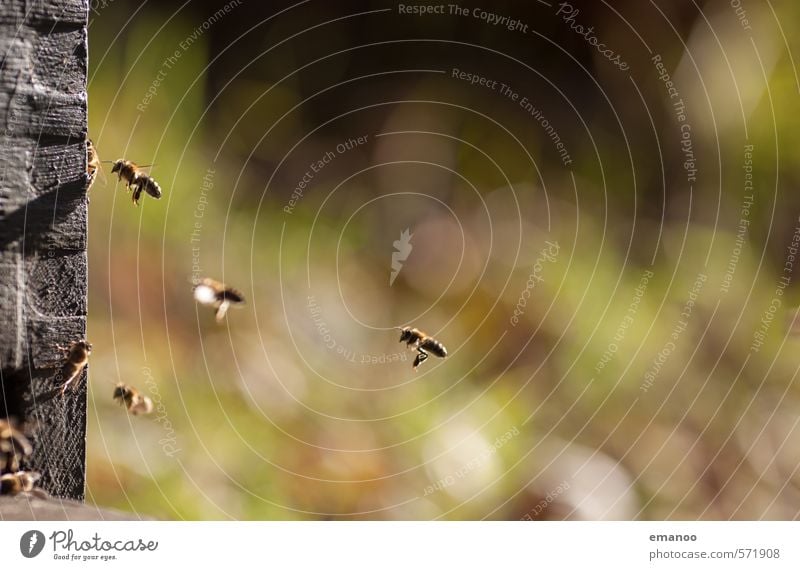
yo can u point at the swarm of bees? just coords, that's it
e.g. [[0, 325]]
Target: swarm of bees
[[77, 359], [217, 295], [423, 343], [135, 179], [136, 402], [15, 446]]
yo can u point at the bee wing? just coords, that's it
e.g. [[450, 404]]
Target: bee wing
[[143, 406], [102, 172], [71, 373]]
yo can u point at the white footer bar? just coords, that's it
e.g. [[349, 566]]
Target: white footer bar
[[390, 545]]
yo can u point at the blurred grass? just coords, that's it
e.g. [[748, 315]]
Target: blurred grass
[[271, 423]]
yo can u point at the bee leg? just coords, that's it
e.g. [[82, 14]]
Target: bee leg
[[222, 311], [70, 383], [421, 357], [137, 192]]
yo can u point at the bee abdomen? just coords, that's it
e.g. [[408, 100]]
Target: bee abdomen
[[149, 185], [231, 295], [434, 347]]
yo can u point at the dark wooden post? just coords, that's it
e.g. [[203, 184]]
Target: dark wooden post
[[43, 223]]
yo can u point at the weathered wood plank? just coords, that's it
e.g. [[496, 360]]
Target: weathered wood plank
[[43, 222], [44, 13], [25, 508]]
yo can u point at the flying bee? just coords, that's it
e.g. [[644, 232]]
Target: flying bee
[[92, 163], [136, 402], [19, 482], [77, 359], [14, 445], [424, 344], [217, 295], [135, 179]]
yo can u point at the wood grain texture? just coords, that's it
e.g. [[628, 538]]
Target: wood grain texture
[[43, 225]]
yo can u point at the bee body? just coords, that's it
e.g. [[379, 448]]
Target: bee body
[[125, 170], [217, 295], [136, 402], [18, 482], [14, 445], [424, 344], [136, 179], [77, 359], [434, 347], [92, 163]]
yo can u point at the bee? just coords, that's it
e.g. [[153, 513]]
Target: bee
[[77, 359], [217, 295], [135, 401], [423, 343], [19, 482], [135, 179], [92, 163], [14, 445]]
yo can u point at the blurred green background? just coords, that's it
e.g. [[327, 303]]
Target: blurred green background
[[597, 399]]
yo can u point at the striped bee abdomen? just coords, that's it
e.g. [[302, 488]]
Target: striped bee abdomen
[[434, 347]]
